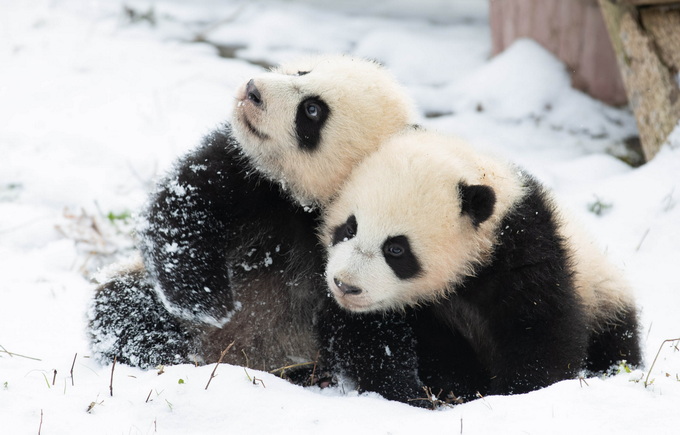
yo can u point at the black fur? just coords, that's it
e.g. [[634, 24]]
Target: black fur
[[129, 323], [223, 218], [214, 228], [311, 116], [345, 231], [477, 201], [401, 259], [615, 342], [375, 350], [516, 326]]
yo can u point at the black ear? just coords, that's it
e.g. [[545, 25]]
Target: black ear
[[477, 201]]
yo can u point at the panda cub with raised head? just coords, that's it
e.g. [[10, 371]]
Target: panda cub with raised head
[[456, 271], [229, 238]]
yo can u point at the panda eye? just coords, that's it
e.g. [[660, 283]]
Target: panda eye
[[394, 250], [313, 111], [400, 257]]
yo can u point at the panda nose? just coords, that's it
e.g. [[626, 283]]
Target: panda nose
[[253, 94], [346, 288]]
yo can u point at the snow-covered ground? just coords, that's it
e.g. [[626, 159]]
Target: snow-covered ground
[[96, 102]]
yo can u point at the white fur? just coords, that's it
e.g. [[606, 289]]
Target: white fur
[[367, 105], [602, 287], [410, 187]]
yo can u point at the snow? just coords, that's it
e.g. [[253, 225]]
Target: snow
[[95, 107]]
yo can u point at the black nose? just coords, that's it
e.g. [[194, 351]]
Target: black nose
[[346, 288], [253, 93]]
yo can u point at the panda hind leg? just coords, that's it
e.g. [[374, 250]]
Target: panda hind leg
[[615, 342], [128, 322]]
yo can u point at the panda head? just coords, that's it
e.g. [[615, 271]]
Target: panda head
[[307, 123], [412, 221]]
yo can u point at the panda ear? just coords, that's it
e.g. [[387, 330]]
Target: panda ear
[[477, 201]]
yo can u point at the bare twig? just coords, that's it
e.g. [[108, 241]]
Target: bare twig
[[219, 361], [435, 401], [41, 420], [256, 380], [670, 340], [73, 384], [149, 396], [54, 378], [113, 367]]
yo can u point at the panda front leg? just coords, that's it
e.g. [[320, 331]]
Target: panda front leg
[[375, 350]]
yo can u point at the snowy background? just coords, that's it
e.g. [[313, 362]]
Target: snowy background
[[97, 98]]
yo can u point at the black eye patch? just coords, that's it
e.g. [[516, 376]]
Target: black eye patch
[[401, 259], [345, 231], [311, 116]]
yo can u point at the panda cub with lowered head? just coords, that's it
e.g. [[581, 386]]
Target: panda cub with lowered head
[[229, 238], [456, 271]]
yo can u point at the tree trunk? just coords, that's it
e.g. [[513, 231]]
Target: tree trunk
[[647, 45]]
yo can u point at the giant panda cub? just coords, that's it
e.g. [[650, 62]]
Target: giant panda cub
[[229, 238], [456, 271]]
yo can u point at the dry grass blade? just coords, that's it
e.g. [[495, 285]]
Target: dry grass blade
[[12, 354], [282, 370]]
